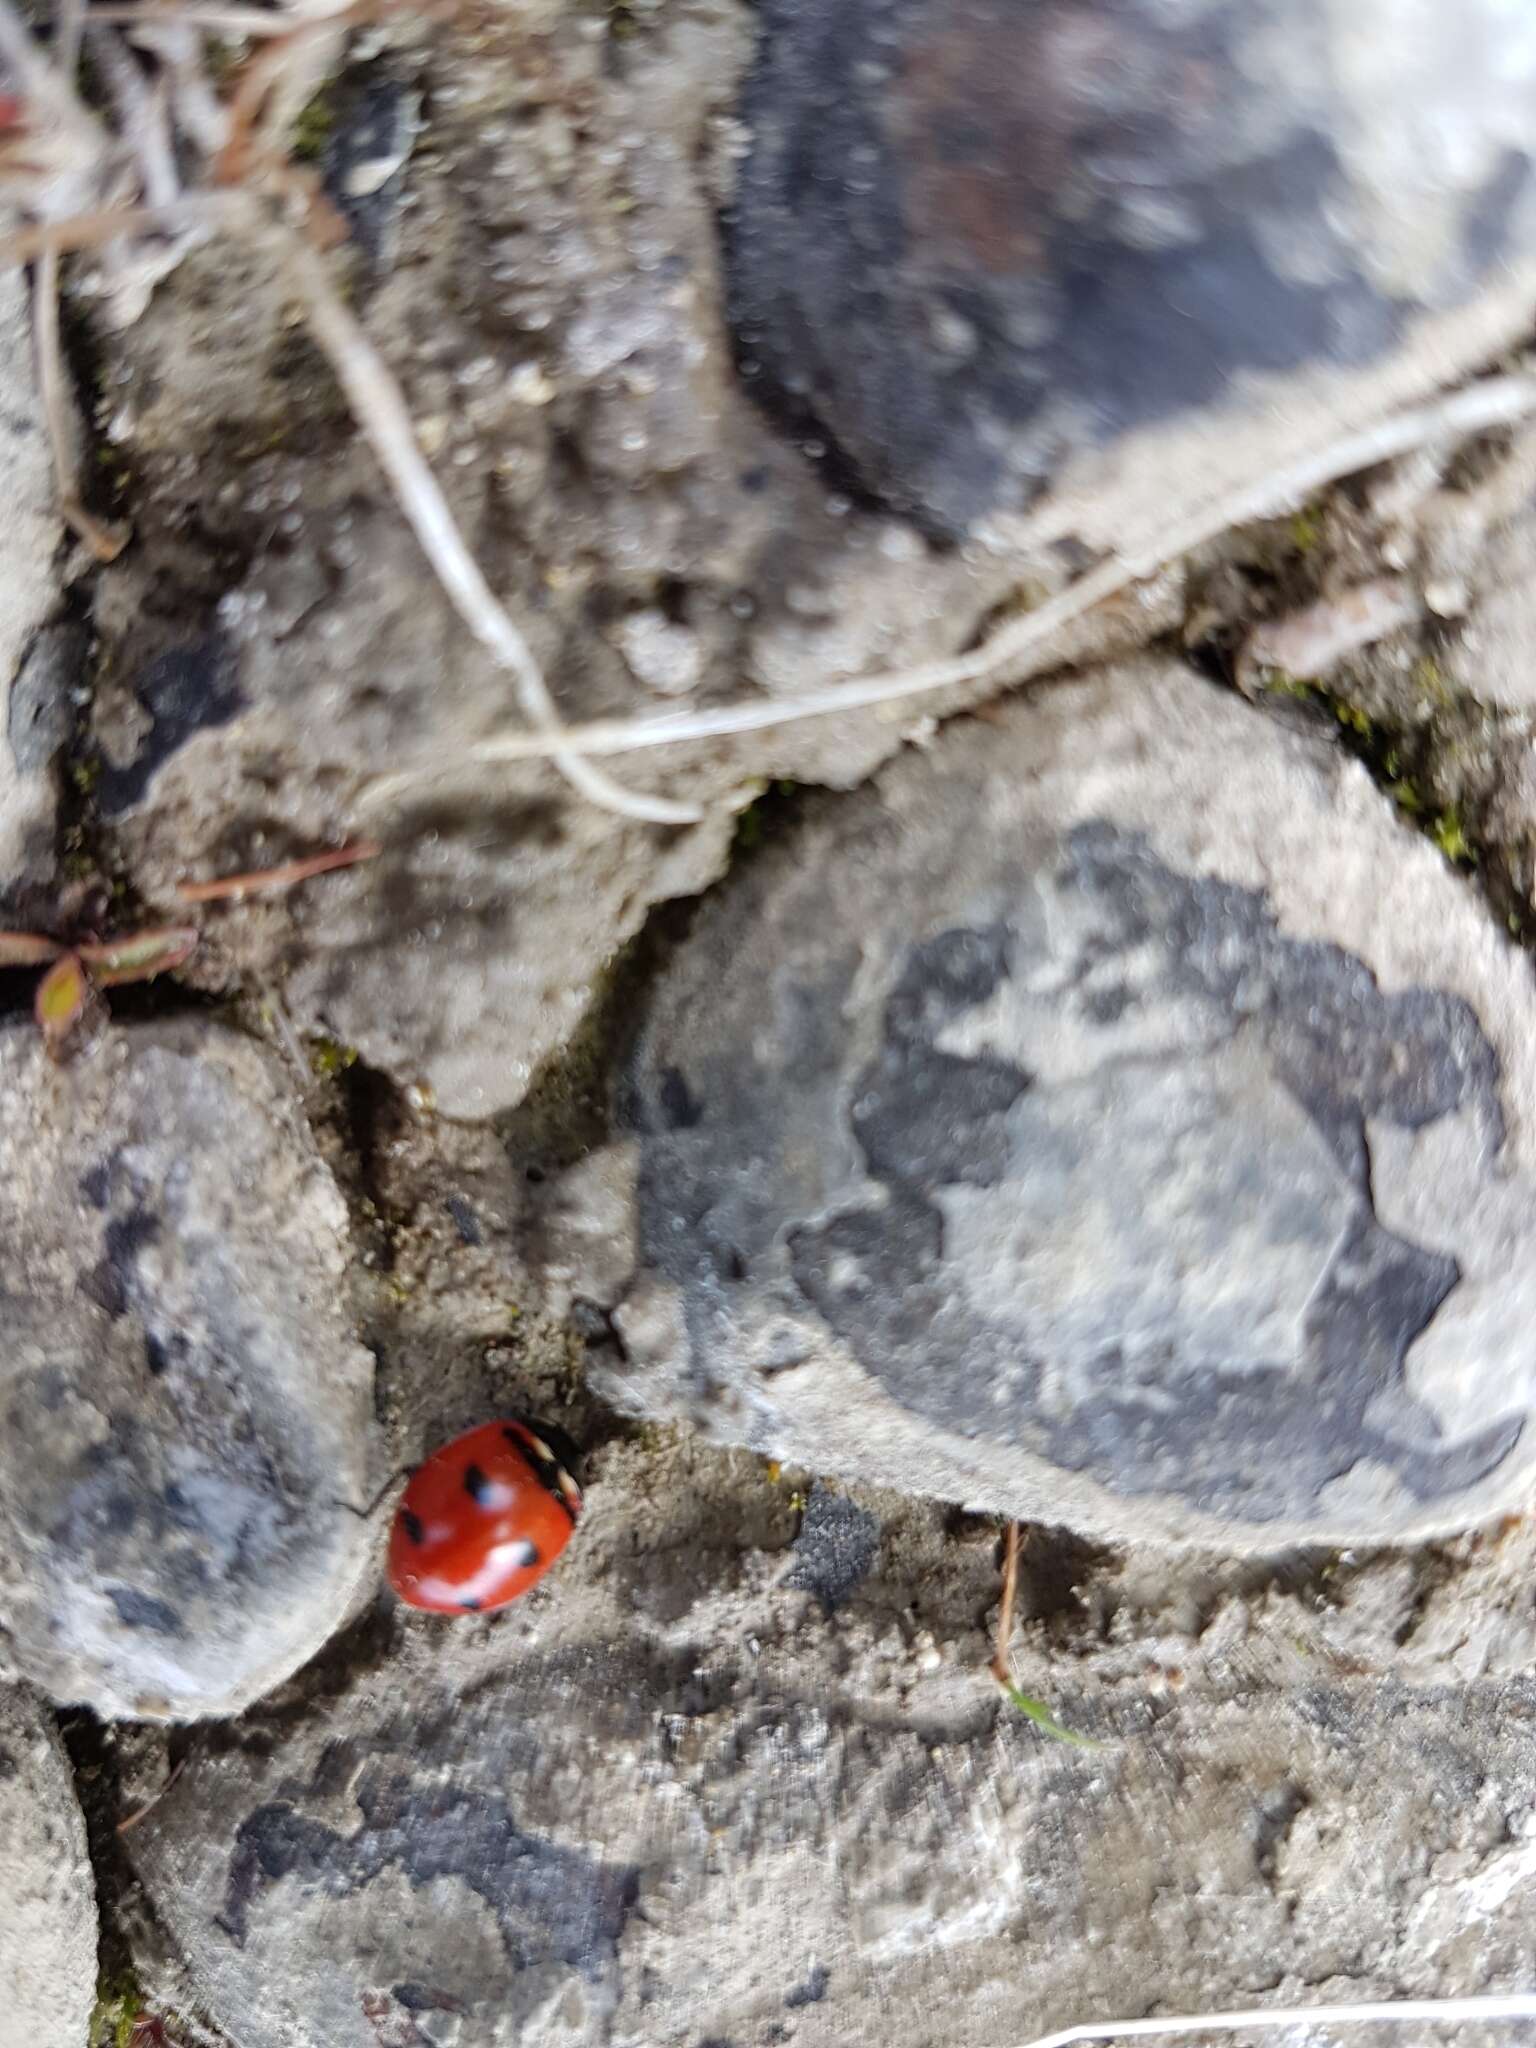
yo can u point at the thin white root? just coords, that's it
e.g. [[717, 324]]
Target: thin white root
[[381, 413], [1498, 401], [105, 542], [255, 22], [1514, 2005], [142, 120]]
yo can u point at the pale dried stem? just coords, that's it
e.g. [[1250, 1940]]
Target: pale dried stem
[[1499, 401], [115, 223], [105, 542], [254, 22], [69, 20], [1395, 2012], [381, 413], [142, 121]]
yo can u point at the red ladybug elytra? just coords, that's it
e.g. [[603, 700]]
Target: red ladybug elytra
[[481, 1520]]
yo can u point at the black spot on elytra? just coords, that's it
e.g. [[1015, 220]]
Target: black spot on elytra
[[143, 1610], [530, 1553], [553, 1904], [471, 1606], [476, 1485], [412, 1525]]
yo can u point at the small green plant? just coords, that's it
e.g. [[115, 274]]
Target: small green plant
[[76, 973], [1449, 836], [1037, 1711]]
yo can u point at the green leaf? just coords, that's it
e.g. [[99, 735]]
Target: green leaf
[[1045, 1720], [140, 956]]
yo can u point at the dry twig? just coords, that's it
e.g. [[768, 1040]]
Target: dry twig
[[260, 880], [1002, 1670]]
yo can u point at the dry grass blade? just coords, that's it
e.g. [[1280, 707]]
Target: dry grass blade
[[257, 880], [131, 1820], [27, 949], [1495, 402], [140, 956], [255, 22], [46, 89], [1419, 2012], [1001, 1670]]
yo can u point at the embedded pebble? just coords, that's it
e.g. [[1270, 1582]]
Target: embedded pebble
[[1112, 1116], [187, 1412]]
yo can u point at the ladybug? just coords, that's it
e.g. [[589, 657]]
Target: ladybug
[[482, 1520]]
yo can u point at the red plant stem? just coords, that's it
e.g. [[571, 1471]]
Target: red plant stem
[[284, 877]]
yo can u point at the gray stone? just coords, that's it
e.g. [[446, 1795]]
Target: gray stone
[[1113, 1116], [184, 1458], [976, 251], [665, 1800], [29, 524], [47, 1892]]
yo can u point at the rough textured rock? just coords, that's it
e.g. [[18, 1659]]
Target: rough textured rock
[[549, 286], [47, 1893], [29, 537], [974, 249], [1481, 550], [184, 1457], [669, 1800], [1112, 1116]]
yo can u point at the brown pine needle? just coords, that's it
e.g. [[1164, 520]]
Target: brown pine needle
[[1002, 1671], [260, 880], [140, 1812]]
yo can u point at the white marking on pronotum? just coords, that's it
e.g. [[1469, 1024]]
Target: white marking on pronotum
[[1512, 2005]]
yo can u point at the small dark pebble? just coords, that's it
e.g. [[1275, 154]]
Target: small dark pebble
[[835, 1549]]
